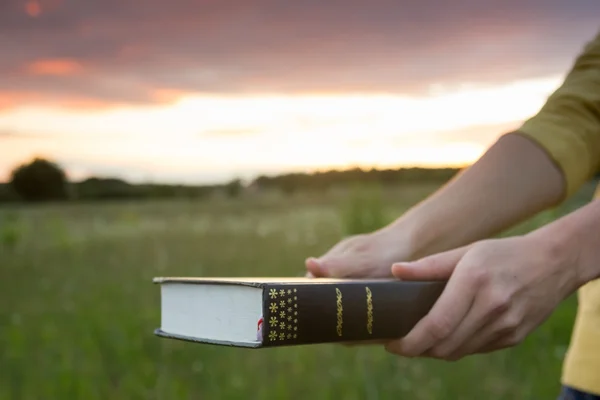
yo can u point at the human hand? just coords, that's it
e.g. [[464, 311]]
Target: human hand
[[363, 256], [498, 292]]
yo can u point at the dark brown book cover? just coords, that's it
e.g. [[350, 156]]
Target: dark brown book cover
[[344, 311], [299, 311]]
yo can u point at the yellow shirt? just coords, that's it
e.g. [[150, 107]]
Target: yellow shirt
[[568, 128]]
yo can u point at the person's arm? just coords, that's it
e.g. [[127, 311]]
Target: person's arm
[[525, 172], [512, 181], [500, 290], [544, 162]]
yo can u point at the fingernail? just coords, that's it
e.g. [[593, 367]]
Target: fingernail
[[401, 265], [397, 349], [316, 265], [391, 348], [314, 261]]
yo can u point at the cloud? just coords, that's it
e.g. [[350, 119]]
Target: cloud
[[57, 67], [132, 51]]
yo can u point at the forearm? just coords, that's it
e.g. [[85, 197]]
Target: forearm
[[574, 242], [512, 181]]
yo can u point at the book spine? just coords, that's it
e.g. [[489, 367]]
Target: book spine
[[297, 314]]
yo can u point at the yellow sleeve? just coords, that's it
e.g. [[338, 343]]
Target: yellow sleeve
[[568, 125]]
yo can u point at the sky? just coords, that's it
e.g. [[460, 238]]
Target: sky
[[203, 91]]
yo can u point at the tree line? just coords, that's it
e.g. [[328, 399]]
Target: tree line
[[44, 180]]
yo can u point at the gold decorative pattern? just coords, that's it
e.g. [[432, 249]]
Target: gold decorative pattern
[[283, 318], [369, 311], [340, 311]]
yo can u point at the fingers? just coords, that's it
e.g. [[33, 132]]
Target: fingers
[[435, 267], [445, 316], [345, 266], [331, 267], [502, 332], [477, 317]]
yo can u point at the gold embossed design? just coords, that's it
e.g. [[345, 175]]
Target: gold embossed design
[[369, 311], [340, 311], [283, 320]]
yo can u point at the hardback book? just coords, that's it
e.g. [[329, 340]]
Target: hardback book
[[270, 312]]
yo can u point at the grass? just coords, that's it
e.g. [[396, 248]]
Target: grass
[[78, 309]]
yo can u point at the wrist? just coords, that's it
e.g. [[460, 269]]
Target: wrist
[[560, 253], [417, 238]]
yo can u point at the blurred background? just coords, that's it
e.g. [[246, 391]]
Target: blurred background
[[236, 138]]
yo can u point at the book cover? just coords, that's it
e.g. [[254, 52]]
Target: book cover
[[295, 311]]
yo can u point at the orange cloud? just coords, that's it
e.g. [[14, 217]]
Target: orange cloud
[[12, 99], [55, 67], [113, 50], [33, 8], [167, 96]]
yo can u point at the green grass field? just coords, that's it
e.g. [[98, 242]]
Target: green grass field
[[78, 309]]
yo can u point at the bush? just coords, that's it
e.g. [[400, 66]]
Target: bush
[[40, 180]]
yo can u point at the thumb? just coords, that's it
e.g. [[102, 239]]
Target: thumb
[[435, 267], [328, 267]]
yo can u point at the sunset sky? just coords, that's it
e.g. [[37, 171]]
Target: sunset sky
[[201, 91]]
